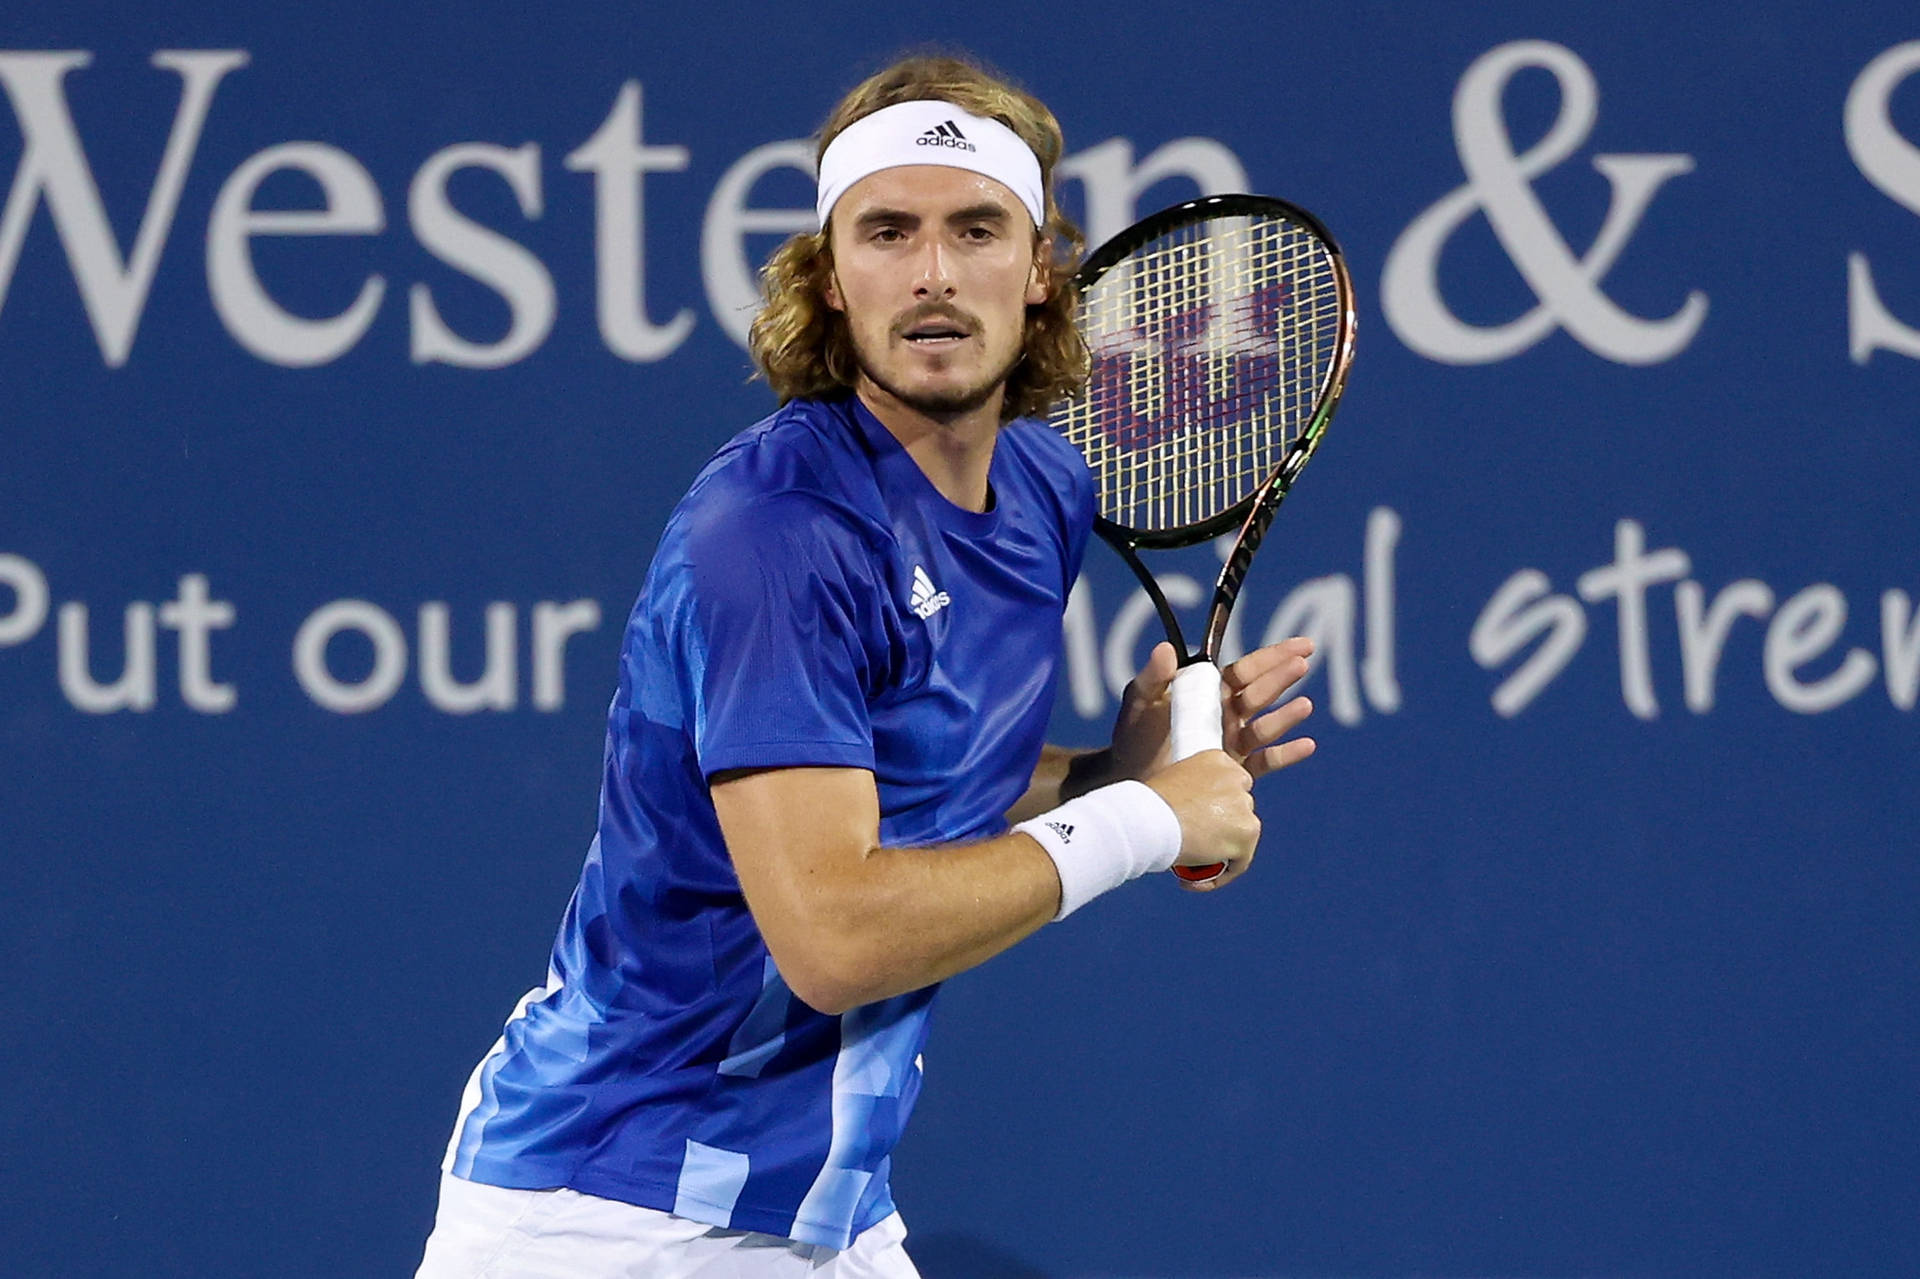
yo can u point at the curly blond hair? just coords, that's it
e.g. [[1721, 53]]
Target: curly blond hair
[[801, 344]]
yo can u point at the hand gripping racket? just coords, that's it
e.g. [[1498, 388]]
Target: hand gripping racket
[[1221, 332]]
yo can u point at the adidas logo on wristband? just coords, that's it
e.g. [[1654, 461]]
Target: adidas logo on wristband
[[1129, 831]]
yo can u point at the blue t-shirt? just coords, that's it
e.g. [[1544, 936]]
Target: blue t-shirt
[[814, 601]]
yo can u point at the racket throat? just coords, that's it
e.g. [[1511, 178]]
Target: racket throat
[[1252, 532], [1172, 624], [1158, 598]]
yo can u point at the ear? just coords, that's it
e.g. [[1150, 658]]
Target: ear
[[830, 286], [1040, 276]]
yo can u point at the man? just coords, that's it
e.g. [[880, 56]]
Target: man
[[832, 699]]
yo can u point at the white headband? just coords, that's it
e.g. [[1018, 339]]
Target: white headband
[[929, 131]]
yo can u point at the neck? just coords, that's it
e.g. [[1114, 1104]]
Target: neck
[[953, 450]]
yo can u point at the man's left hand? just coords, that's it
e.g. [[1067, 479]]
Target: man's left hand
[[1254, 717]]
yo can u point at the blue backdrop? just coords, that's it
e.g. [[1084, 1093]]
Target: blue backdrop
[[352, 355]]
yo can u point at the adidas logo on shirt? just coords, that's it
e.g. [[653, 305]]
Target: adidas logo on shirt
[[926, 599], [945, 135], [1063, 829]]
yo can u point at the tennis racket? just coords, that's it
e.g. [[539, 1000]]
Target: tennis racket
[[1221, 332]]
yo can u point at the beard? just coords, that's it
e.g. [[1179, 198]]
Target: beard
[[948, 402], [943, 402]]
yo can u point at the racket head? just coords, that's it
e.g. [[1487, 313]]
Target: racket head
[[1221, 333]]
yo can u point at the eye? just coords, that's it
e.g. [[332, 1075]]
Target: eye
[[979, 233], [888, 235]]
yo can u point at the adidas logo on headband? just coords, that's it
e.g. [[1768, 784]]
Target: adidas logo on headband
[[946, 134], [927, 131]]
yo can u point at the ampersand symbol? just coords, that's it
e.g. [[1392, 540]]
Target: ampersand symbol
[[1499, 183]]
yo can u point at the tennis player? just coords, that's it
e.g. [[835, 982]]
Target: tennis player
[[832, 699]]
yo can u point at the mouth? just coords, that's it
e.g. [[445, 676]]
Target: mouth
[[936, 333], [935, 343]]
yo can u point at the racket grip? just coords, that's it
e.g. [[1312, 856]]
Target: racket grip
[[1195, 728], [1196, 710]]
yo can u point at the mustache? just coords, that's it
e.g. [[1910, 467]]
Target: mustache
[[935, 311]]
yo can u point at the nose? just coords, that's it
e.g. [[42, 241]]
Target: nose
[[935, 279]]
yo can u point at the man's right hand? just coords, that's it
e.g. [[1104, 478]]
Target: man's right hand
[[1212, 795]]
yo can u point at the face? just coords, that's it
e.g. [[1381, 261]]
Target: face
[[934, 269]]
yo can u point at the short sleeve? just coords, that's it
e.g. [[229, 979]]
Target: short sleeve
[[1080, 512], [1061, 476], [775, 623]]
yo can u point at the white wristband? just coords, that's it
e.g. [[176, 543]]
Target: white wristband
[[1105, 838]]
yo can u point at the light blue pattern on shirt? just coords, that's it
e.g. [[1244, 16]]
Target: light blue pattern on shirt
[[877, 1048], [764, 1032], [710, 1178]]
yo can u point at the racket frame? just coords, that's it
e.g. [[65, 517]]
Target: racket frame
[[1254, 513], [1196, 723]]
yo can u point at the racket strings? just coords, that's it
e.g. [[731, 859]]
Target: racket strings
[[1212, 345]]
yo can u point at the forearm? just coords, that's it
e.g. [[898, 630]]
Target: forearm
[[905, 918], [849, 921], [1062, 774]]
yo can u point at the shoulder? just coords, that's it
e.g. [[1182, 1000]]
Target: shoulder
[[800, 474], [1053, 466], [1040, 446]]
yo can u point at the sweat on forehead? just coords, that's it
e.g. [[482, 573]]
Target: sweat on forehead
[[929, 131]]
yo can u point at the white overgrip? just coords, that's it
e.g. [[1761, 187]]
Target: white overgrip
[[1195, 727], [1196, 710]]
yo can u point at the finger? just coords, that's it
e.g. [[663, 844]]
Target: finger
[[1239, 674], [1255, 664], [1271, 727], [1267, 688], [1162, 665], [1272, 759]]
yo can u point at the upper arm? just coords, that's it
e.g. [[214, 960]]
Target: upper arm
[[799, 838], [848, 921], [775, 618]]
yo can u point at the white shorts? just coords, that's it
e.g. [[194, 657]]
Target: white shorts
[[486, 1232]]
